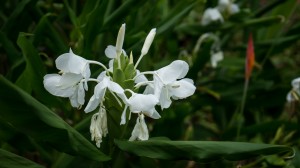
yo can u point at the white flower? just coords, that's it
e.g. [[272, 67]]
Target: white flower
[[228, 6], [71, 63], [140, 130], [140, 103], [211, 15], [215, 58], [98, 127], [294, 94], [100, 90], [166, 84], [66, 85]]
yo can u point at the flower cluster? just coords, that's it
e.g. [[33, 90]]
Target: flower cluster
[[121, 76], [214, 14]]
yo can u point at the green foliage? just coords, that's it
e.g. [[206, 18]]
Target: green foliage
[[38, 129]]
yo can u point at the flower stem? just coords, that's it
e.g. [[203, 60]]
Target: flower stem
[[98, 63], [240, 116]]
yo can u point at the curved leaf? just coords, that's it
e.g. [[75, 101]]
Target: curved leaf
[[11, 160], [201, 151], [32, 118]]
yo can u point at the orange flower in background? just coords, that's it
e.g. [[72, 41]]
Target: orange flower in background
[[250, 59]]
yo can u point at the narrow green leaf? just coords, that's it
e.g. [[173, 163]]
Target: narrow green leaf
[[32, 118], [201, 151], [174, 17], [11, 160]]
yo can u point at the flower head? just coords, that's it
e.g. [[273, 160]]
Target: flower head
[[211, 15], [167, 85], [100, 90]]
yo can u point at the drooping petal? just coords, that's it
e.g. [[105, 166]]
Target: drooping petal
[[176, 70], [183, 88], [80, 94], [140, 78], [140, 130], [52, 85], [142, 103], [152, 114], [74, 100], [69, 62], [92, 104], [164, 99]]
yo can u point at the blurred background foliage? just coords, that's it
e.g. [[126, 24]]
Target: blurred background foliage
[[33, 33]]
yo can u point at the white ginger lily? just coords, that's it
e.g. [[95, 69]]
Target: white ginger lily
[[105, 83], [66, 85], [215, 58], [211, 15], [167, 85], [140, 103], [228, 6], [294, 94], [98, 127], [140, 130]]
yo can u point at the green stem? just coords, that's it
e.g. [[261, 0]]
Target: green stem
[[241, 114]]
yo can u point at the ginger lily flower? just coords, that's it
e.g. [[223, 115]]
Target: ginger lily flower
[[66, 85], [140, 130], [140, 103], [294, 94], [166, 84], [211, 15], [100, 90], [228, 6]]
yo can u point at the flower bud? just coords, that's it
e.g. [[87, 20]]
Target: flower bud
[[148, 41]]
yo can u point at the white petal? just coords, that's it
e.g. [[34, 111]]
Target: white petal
[[153, 114], [149, 89], [176, 70], [51, 84], [80, 94], [74, 101], [69, 79], [211, 15], [215, 58], [92, 104], [140, 78], [115, 87], [101, 76], [233, 9], [223, 4], [110, 52], [142, 103], [140, 130], [296, 83], [69, 62], [164, 99], [183, 88], [123, 116]]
